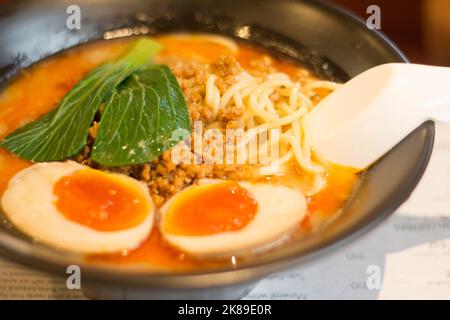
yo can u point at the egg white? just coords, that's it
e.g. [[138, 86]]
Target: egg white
[[28, 204], [280, 209]]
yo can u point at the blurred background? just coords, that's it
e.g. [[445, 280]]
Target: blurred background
[[421, 28]]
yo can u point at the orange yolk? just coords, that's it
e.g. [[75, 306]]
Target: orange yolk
[[100, 201], [210, 209]]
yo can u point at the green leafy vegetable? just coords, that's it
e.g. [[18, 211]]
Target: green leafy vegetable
[[63, 132], [140, 118]]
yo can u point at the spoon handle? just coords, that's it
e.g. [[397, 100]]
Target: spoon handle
[[433, 84]]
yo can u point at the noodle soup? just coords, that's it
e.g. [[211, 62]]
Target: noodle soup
[[240, 176]]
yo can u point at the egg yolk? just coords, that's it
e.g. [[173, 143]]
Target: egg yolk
[[210, 209], [100, 201]]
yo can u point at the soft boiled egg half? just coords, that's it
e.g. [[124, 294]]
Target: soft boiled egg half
[[73, 207], [222, 218]]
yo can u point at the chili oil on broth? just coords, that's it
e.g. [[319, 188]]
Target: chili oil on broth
[[40, 88]]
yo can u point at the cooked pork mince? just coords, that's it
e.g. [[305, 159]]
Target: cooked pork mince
[[164, 177]]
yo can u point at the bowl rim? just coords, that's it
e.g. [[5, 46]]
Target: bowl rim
[[359, 20], [48, 260]]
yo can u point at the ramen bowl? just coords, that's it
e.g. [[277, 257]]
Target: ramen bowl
[[335, 44]]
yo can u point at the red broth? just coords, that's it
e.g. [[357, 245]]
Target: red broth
[[40, 88]]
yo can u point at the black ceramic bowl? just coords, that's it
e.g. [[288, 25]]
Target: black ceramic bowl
[[336, 44]]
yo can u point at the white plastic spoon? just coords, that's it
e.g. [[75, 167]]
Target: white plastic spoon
[[365, 118]]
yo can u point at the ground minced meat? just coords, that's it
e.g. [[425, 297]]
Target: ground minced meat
[[165, 178]]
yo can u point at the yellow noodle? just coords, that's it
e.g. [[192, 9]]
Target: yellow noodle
[[274, 102]]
